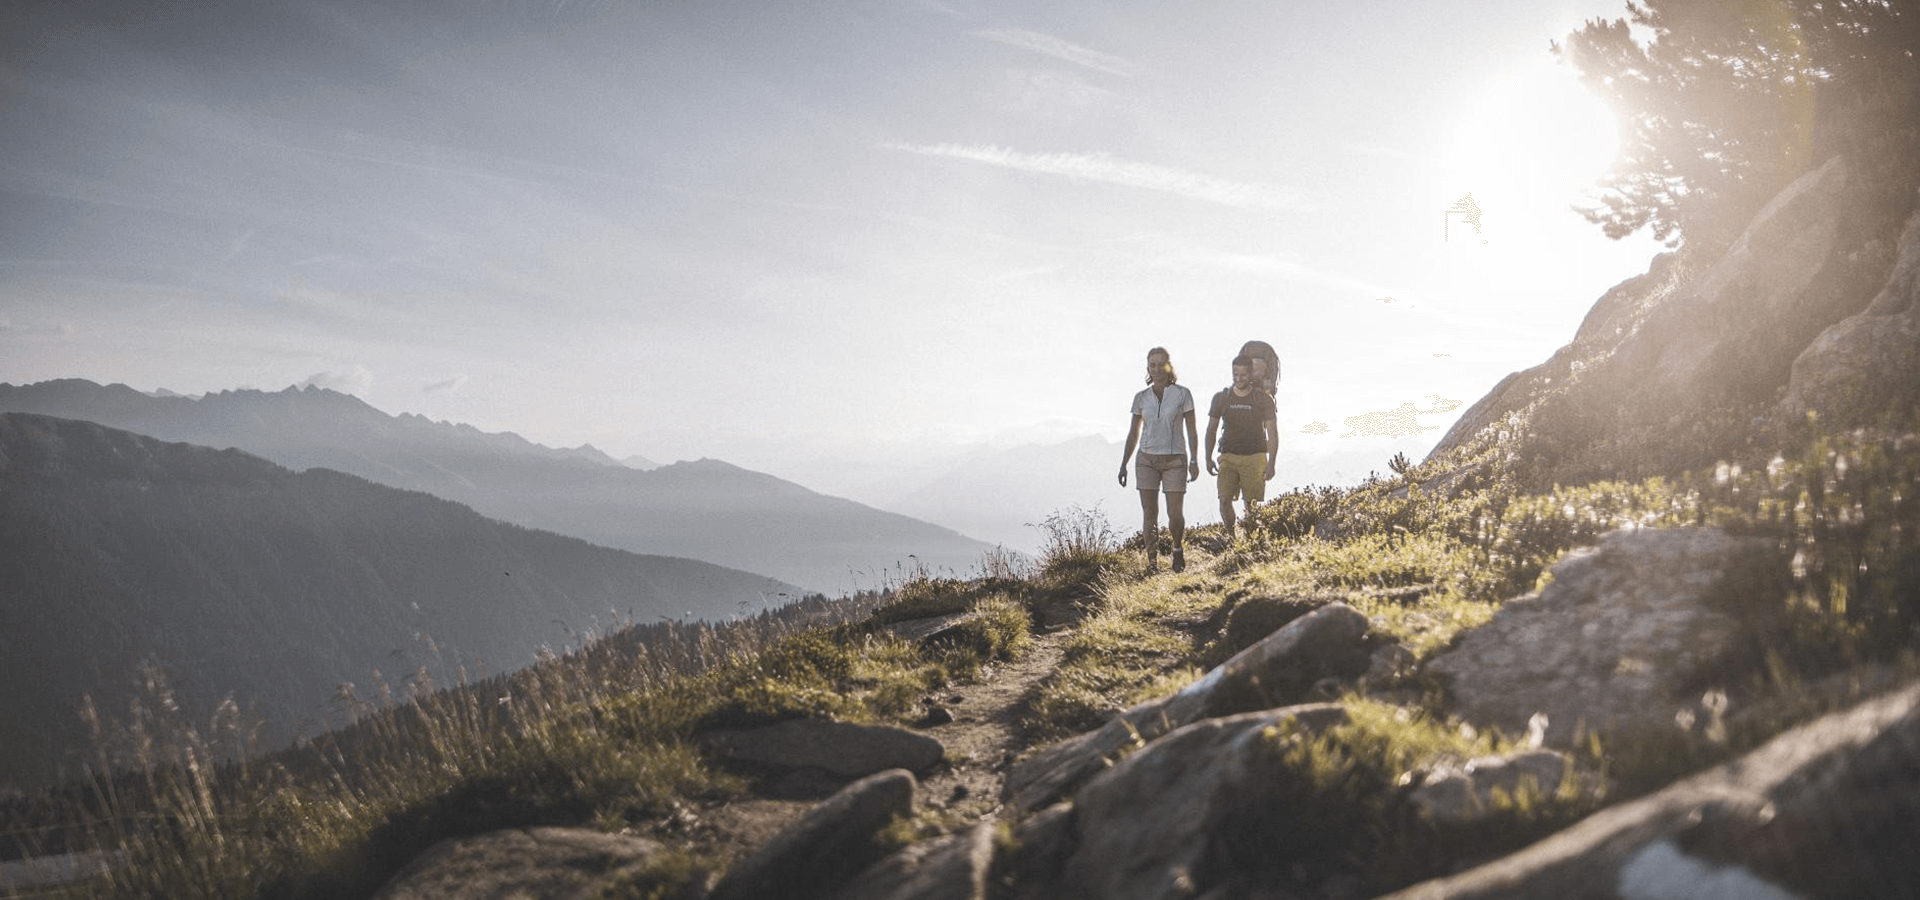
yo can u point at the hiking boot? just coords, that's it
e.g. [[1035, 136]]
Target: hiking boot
[[1179, 561], [1153, 565]]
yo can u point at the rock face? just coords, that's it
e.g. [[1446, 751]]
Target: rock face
[[841, 748], [1329, 642], [1868, 362], [1627, 633], [521, 864], [1757, 304], [1830, 809], [1669, 368]]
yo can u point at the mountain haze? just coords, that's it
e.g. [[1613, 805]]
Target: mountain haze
[[240, 577], [707, 509], [1031, 481]]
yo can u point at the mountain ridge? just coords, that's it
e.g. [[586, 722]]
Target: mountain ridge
[[119, 552], [708, 510]]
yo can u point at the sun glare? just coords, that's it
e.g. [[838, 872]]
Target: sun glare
[[1534, 138]]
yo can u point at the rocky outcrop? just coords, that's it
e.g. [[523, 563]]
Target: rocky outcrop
[[1671, 368], [1627, 634], [1830, 809], [1870, 362], [843, 749], [1326, 643], [1759, 303], [830, 843], [532, 863]]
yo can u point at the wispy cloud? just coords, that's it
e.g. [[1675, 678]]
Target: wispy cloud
[[1066, 51], [1103, 168]]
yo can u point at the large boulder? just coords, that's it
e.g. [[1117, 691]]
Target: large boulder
[[1626, 635], [520, 864], [1829, 809], [1867, 363], [1148, 829], [1329, 642], [830, 844]]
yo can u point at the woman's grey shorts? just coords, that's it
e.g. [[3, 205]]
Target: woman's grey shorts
[[1160, 472]]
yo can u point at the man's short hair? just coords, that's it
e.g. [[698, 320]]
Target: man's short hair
[[1242, 360]]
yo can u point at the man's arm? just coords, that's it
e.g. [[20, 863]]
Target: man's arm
[[1272, 428], [1213, 426]]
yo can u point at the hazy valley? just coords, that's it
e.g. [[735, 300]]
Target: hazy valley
[[123, 557], [704, 509]]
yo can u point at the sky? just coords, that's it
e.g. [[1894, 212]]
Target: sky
[[826, 240]]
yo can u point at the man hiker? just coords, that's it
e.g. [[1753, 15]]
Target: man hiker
[[1163, 464], [1249, 442]]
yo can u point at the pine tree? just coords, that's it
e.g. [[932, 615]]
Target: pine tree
[[1724, 102]]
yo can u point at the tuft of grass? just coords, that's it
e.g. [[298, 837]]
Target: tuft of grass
[[1000, 629], [1080, 548], [925, 597]]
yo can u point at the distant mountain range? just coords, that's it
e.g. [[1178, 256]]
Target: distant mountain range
[[707, 510], [1032, 481], [241, 577]]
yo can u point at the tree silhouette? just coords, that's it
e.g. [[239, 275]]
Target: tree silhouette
[[1724, 102]]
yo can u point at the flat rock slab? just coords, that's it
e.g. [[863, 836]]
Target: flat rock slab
[[829, 844], [841, 748], [1622, 636], [519, 864]]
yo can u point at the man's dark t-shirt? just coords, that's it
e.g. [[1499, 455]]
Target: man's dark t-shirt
[[1242, 416]]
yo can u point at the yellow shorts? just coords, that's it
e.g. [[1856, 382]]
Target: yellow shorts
[[1243, 474]]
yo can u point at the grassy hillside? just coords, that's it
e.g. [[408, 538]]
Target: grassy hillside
[[603, 737]]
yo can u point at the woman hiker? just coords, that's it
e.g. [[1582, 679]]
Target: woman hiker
[[1164, 465]]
